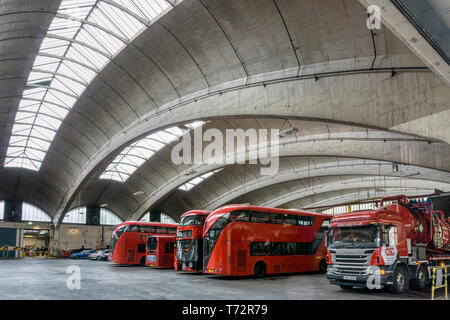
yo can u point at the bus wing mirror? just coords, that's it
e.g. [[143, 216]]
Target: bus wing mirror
[[326, 238]]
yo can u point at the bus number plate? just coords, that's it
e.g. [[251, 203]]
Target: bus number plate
[[151, 258], [349, 278]]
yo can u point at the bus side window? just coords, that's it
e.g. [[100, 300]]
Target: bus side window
[[260, 248], [276, 249], [141, 248], [291, 248], [290, 219], [260, 217], [240, 215], [172, 247], [305, 221], [134, 228], [276, 218]]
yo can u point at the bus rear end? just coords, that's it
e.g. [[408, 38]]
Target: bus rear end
[[160, 252], [129, 240], [189, 245]]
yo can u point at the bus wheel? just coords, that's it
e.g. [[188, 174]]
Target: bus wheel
[[323, 267], [142, 262], [421, 281], [260, 269], [400, 280], [344, 287]]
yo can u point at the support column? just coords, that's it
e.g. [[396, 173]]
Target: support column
[[13, 211], [155, 215], [93, 215]]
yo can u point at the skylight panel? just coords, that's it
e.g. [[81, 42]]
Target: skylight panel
[[82, 38], [192, 183], [133, 156]]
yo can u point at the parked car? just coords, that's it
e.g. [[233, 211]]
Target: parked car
[[81, 255], [103, 255], [99, 255]]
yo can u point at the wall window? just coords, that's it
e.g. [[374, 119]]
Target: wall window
[[164, 218], [77, 216], [33, 213], [109, 218]]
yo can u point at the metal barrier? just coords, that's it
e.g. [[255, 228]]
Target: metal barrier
[[439, 280], [5, 250]]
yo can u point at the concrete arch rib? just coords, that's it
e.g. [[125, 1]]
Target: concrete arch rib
[[352, 183], [336, 198]]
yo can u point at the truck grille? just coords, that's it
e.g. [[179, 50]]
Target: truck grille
[[352, 264]]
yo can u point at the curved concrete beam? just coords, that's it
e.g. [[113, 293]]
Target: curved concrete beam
[[336, 198], [365, 182], [357, 167]]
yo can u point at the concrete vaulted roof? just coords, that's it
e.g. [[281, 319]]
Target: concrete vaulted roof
[[359, 96]]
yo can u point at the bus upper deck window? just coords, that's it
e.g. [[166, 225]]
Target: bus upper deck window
[[242, 216]]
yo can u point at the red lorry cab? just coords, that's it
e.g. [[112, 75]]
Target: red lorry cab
[[392, 246]]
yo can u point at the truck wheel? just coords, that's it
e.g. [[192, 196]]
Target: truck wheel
[[345, 287], [323, 267], [400, 281], [260, 269], [421, 281]]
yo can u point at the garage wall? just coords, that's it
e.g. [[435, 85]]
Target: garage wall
[[69, 236], [76, 236]]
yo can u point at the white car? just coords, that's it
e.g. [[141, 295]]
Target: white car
[[96, 255], [103, 255]]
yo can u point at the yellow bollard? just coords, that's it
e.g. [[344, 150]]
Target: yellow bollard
[[444, 283]]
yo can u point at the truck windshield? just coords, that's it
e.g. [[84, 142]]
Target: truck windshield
[[354, 237], [193, 220]]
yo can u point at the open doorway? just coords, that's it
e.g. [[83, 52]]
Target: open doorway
[[36, 242]]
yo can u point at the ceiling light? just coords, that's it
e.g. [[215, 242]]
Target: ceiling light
[[103, 205], [138, 193]]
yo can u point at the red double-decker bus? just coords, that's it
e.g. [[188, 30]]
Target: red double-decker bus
[[243, 240], [160, 251], [189, 253], [129, 240]]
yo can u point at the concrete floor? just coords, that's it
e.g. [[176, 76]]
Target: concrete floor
[[35, 278]]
